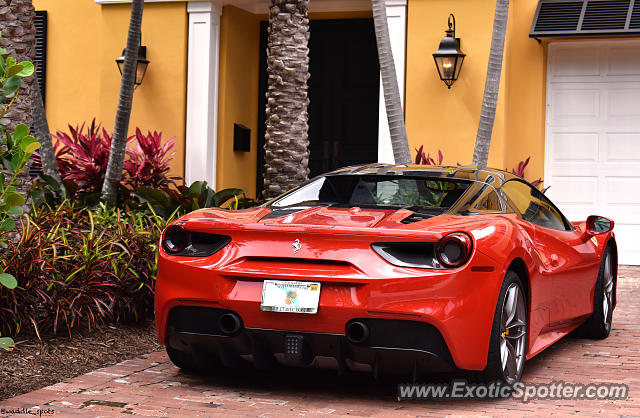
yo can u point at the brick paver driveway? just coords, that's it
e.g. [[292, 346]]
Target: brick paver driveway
[[152, 386]]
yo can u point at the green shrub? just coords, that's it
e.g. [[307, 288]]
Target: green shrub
[[15, 150], [82, 159], [80, 268], [168, 202]]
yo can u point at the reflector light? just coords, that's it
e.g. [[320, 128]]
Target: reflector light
[[175, 240], [454, 249]]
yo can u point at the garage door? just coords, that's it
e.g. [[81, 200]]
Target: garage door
[[593, 135]]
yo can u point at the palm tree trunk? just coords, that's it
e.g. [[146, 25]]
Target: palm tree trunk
[[492, 85], [123, 114], [392, 101], [19, 39], [286, 138], [41, 130]]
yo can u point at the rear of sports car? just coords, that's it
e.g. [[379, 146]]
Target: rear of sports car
[[343, 288]]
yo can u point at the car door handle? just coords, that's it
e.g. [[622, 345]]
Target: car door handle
[[553, 260]]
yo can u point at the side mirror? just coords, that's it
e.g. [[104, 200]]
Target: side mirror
[[598, 225]]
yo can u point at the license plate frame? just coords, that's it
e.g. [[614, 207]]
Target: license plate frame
[[290, 296]]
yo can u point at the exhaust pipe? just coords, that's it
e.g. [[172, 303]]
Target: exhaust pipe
[[357, 332], [229, 323]]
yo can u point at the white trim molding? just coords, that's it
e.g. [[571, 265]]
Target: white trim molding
[[146, 1], [262, 6], [202, 92], [149, 1], [397, 22]]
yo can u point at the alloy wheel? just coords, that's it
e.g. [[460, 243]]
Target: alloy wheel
[[607, 289], [513, 327]]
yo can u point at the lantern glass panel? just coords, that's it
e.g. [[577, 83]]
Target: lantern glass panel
[[141, 70]]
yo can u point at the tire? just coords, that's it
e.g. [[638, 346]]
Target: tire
[[182, 359], [598, 325], [508, 343]]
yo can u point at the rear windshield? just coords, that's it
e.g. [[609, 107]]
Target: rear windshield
[[376, 191]]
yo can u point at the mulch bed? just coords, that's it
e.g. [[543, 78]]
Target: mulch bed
[[34, 364]]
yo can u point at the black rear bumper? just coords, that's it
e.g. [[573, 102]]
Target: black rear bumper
[[391, 346]]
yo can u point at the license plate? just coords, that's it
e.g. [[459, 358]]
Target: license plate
[[290, 296]]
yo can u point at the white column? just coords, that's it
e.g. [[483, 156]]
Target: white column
[[202, 92], [397, 22]]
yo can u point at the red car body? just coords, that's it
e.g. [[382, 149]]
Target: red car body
[[558, 268]]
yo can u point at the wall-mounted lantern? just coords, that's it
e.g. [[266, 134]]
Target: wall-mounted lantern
[[141, 68], [449, 57]]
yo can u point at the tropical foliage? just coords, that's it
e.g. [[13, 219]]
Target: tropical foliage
[[519, 171], [147, 164], [80, 268], [423, 159], [426, 159], [79, 263], [15, 150], [18, 148], [169, 202], [82, 155]]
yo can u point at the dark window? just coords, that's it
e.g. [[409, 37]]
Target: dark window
[[377, 191], [480, 198], [489, 202], [533, 206], [40, 22]]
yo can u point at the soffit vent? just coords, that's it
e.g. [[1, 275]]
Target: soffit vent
[[586, 18]]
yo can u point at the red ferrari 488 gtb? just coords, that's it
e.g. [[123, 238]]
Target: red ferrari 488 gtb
[[390, 269]]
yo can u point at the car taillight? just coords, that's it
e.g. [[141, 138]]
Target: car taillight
[[175, 240], [178, 241], [454, 249]]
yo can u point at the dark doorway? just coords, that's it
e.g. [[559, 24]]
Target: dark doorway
[[343, 93]]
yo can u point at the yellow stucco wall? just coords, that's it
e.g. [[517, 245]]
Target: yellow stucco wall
[[73, 61], [442, 118], [448, 119], [83, 81], [238, 97]]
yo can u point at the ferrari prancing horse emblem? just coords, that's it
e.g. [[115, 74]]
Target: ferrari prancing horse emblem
[[296, 245]]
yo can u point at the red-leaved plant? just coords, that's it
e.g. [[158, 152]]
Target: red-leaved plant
[[83, 156], [147, 163], [519, 171], [423, 159]]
